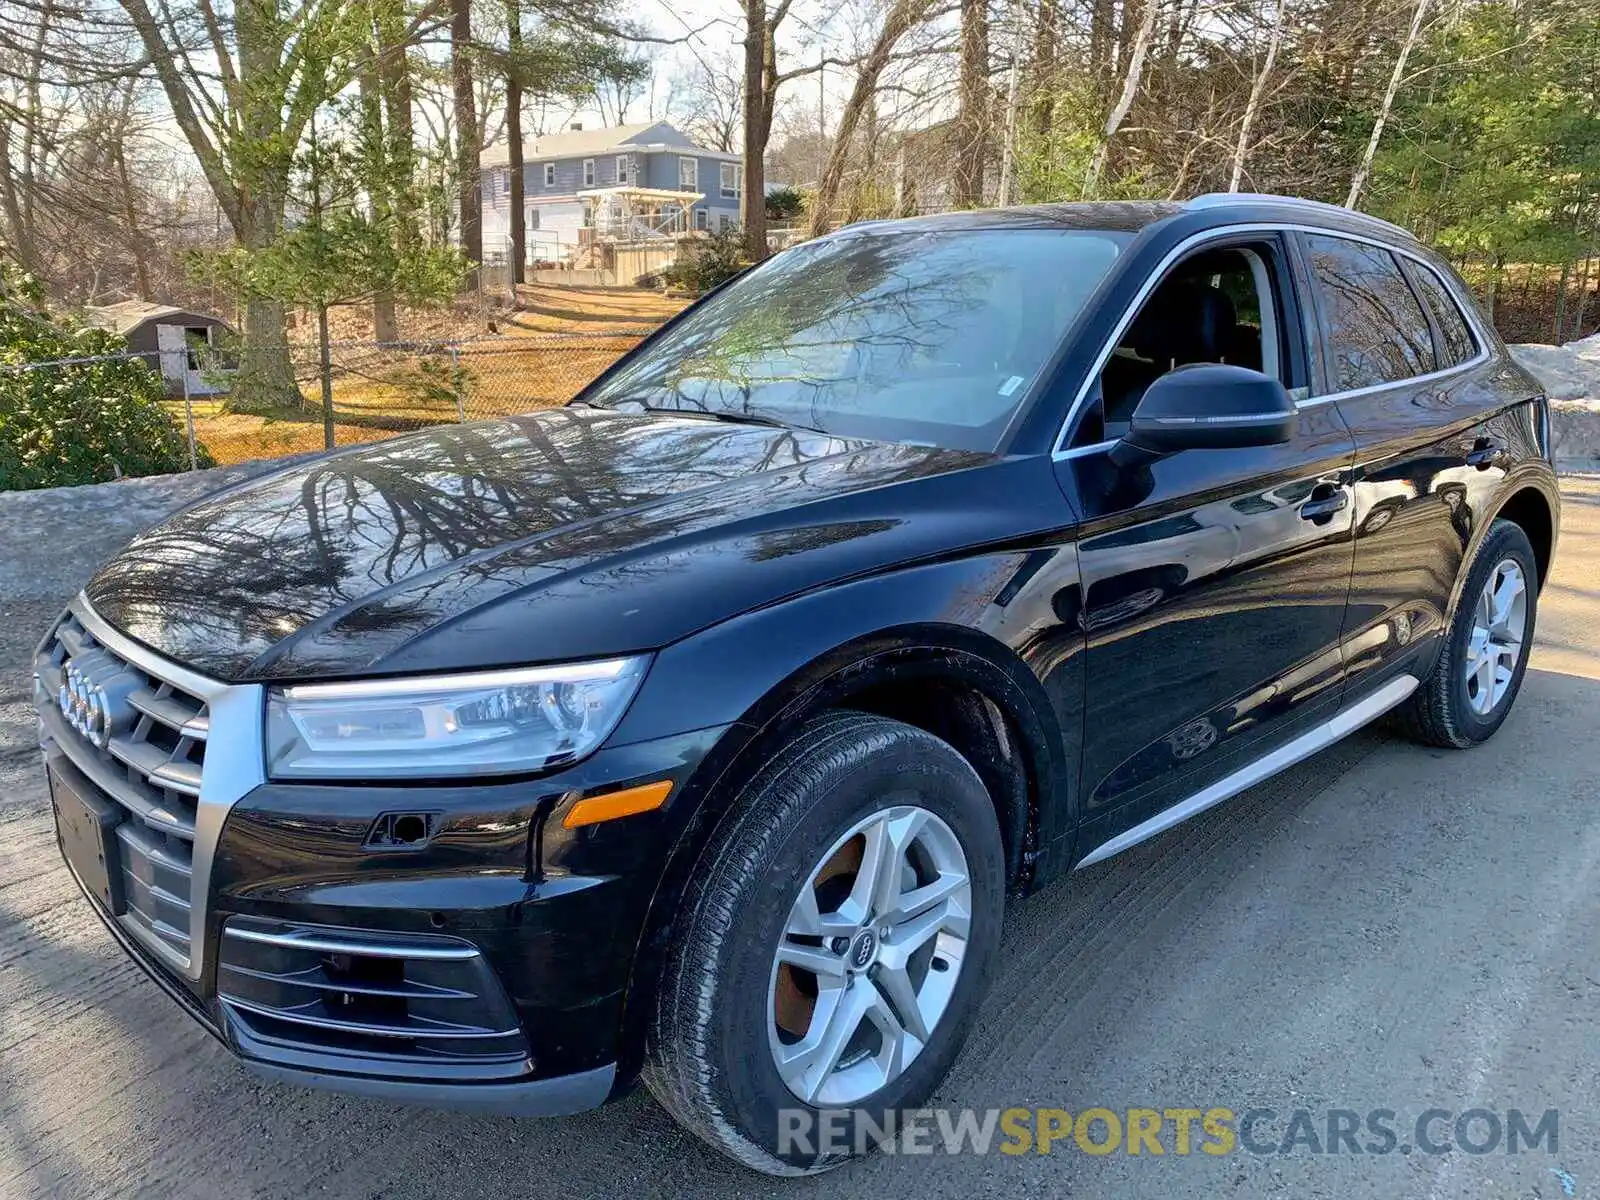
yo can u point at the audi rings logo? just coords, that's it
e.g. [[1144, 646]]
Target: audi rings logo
[[92, 693]]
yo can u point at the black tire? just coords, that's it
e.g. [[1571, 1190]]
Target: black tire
[[708, 1060], [1439, 713]]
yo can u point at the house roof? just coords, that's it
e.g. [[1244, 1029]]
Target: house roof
[[575, 143], [127, 315]]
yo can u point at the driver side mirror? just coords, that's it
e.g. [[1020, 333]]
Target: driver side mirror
[[1209, 406]]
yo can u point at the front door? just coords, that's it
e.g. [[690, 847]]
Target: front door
[[1214, 581]]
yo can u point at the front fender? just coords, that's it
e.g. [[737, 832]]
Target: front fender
[[1005, 621]]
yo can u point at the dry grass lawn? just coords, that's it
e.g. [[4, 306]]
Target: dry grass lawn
[[559, 339]]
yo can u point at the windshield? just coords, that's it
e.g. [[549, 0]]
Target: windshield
[[928, 337]]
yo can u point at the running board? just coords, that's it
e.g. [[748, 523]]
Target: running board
[[1343, 723]]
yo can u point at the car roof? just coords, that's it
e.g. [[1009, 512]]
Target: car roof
[[1130, 216]]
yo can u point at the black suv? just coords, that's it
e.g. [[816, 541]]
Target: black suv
[[699, 729]]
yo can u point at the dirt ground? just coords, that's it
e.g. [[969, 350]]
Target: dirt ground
[[556, 341]]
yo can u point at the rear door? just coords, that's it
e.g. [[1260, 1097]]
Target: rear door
[[1214, 581], [1402, 366]]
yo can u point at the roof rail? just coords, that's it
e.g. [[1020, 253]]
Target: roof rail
[[1219, 199]]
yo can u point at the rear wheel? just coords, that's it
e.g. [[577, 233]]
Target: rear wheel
[[836, 937], [1480, 669]]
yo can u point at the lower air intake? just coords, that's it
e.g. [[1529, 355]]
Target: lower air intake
[[367, 1002]]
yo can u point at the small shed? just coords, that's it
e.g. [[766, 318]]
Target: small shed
[[185, 345]]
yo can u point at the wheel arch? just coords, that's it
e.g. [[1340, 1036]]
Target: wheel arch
[[1531, 509], [958, 683], [1530, 500]]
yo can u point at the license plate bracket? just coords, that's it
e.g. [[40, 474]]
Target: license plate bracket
[[86, 828]]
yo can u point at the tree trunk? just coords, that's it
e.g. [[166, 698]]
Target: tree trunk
[[380, 190], [900, 20], [753, 194], [972, 117], [325, 375], [1257, 87], [394, 77], [1008, 145], [469, 201], [1497, 270], [130, 216], [1043, 81], [1130, 89], [1359, 182], [265, 378], [1561, 301], [519, 215], [1101, 19]]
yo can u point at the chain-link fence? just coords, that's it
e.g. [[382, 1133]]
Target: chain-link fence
[[378, 390]]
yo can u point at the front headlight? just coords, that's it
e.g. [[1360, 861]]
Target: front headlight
[[483, 723]]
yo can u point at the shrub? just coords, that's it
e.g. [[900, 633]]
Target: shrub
[[85, 423], [433, 381], [706, 262], [784, 203]]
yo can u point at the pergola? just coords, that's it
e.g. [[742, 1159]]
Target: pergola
[[636, 214]]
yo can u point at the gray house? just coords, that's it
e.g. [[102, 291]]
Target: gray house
[[626, 183]]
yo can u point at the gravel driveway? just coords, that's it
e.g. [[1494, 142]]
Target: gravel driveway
[[1381, 927]]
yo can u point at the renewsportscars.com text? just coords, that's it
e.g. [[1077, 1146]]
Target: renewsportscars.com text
[[1156, 1132]]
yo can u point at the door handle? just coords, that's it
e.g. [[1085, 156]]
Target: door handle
[[1326, 499], [1485, 453]]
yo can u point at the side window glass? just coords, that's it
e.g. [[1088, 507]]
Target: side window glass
[[1376, 328], [1215, 307], [1459, 344]]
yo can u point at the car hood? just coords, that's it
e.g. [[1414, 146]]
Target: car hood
[[563, 534]]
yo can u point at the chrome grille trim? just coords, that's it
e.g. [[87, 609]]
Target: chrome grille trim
[[395, 946], [409, 1033], [177, 799]]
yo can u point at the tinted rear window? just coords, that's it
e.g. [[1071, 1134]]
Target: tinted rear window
[[1377, 332], [1459, 344]]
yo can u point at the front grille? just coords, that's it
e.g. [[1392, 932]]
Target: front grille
[[365, 1001], [139, 739]]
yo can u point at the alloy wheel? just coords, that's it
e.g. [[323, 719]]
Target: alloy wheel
[[1499, 629], [869, 957]]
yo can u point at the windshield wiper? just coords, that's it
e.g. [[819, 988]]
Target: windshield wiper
[[701, 414]]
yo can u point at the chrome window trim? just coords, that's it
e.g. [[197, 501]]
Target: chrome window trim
[[235, 759], [1061, 451]]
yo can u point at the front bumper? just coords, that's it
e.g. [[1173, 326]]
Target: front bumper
[[556, 916], [551, 1096], [451, 944]]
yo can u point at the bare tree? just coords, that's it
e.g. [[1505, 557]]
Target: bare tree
[[514, 148], [1130, 88], [469, 141], [708, 104], [902, 17], [972, 118], [1257, 87], [1364, 169]]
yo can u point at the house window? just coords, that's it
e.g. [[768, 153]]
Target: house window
[[549, 174], [688, 173], [588, 172], [730, 180], [622, 168], [702, 219], [531, 225]]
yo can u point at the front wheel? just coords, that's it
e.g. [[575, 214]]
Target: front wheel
[[1485, 654], [836, 937]]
